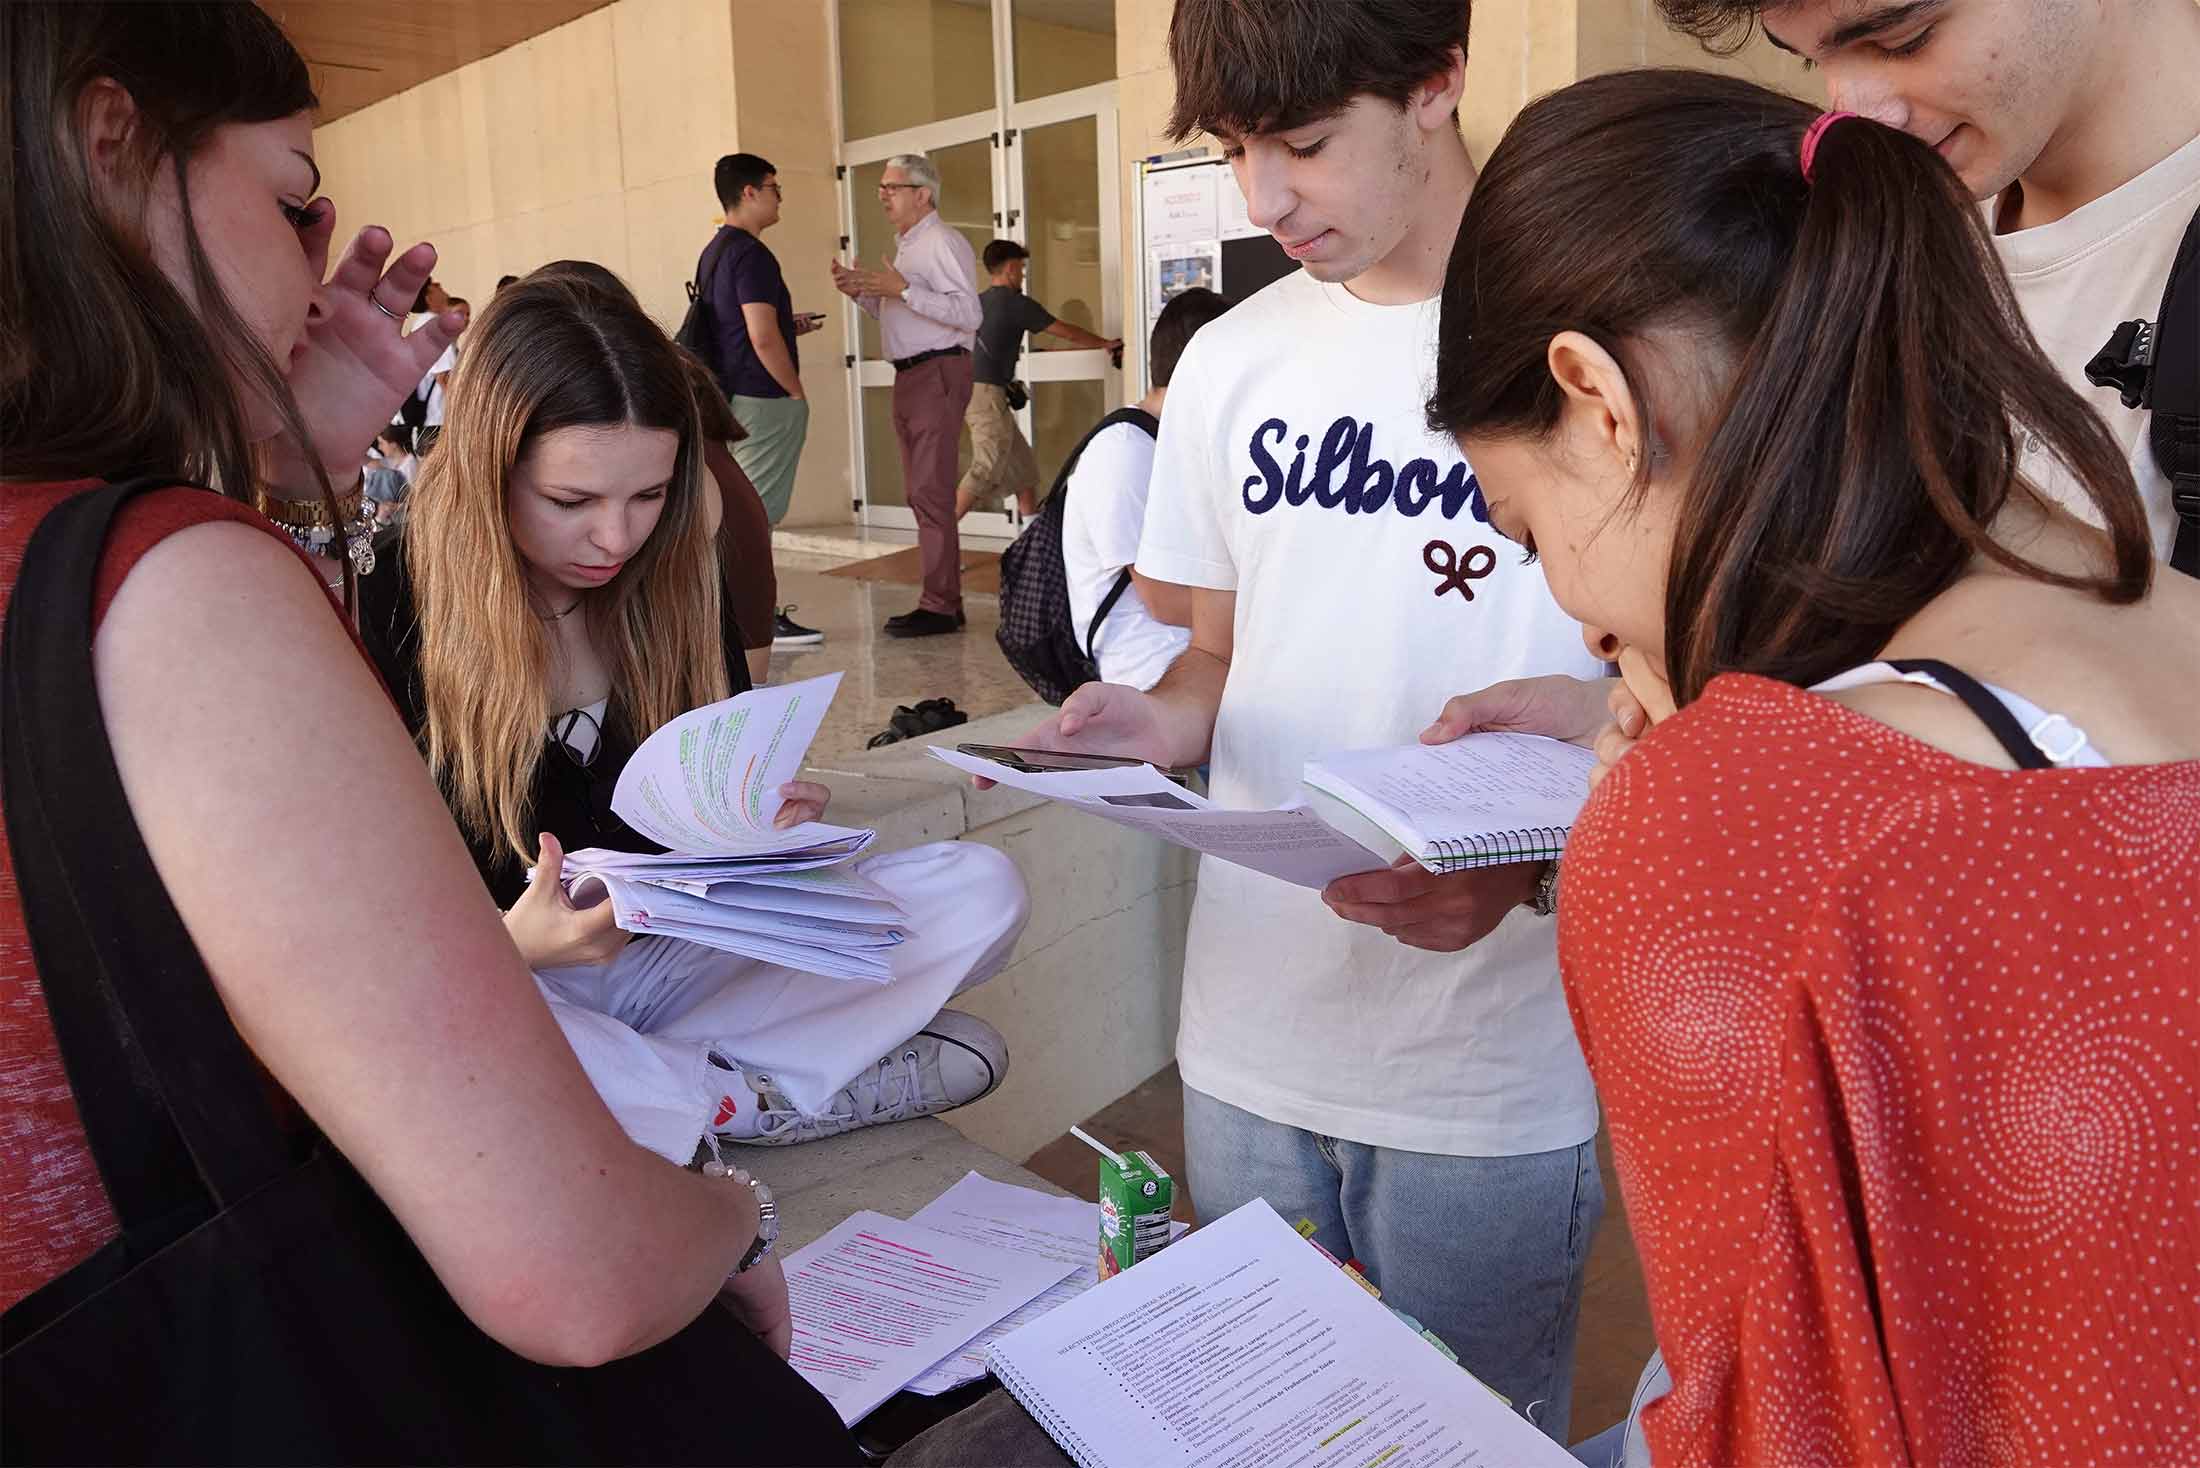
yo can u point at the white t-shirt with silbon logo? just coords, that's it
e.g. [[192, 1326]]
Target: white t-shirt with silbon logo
[[1295, 468], [2076, 280]]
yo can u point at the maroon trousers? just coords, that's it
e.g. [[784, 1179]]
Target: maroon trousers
[[929, 401]]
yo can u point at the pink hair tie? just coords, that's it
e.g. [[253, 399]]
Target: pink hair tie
[[1811, 135]]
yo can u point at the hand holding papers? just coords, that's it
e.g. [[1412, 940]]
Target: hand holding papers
[[1292, 844], [707, 785], [1483, 800]]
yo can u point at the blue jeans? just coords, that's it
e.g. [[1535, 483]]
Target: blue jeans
[[1488, 1252]]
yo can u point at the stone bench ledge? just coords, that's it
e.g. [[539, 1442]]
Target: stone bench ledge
[[900, 789], [894, 1169]]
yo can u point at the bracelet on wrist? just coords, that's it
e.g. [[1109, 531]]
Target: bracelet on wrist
[[1545, 901], [767, 1213]]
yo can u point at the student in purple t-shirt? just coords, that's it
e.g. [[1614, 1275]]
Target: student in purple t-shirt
[[757, 363]]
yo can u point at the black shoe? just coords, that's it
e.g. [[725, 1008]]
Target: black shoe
[[928, 717], [923, 623], [905, 618], [787, 632]]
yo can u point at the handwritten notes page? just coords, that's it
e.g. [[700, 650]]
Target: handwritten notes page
[[878, 1300], [1242, 1347], [1481, 786]]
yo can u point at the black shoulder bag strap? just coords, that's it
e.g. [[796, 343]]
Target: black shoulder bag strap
[[1149, 425], [706, 273], [2156, 365], [1991, 711], [169, 1096]]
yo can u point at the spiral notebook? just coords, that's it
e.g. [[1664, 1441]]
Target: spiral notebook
[[1483, 800], [1239, 1346]]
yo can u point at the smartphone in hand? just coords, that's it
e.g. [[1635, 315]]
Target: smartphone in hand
[[1054, 761]]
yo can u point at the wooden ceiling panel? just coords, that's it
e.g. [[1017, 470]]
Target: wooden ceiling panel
[[361, 51]]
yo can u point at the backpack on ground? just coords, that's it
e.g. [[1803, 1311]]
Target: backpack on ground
[[699, 327], [2156, 365], [1036, 633]]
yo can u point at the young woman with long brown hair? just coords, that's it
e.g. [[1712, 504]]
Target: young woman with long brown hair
[[1881, 945], [295, 1166], [557, 597]]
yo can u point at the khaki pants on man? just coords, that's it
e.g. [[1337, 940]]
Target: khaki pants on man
[[1001, 462]]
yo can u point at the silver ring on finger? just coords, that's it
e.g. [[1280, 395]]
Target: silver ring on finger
[[376, 302]]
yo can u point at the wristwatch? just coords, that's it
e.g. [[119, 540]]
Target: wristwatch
[[904, 295], [767, 1212], [1545, 901]]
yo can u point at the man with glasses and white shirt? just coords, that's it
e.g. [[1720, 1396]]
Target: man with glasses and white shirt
[[926, 302]]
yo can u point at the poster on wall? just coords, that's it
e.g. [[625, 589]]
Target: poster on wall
[[1180, 207], [1176, 268], [1194, 231]]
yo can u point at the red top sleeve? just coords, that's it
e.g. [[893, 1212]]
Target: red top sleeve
[[1897, 1053]]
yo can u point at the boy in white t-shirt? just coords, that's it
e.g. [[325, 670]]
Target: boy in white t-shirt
[[1390, 1059], [1150, 623]]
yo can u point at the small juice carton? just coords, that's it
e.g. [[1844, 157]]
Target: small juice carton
[[1135, 1195]]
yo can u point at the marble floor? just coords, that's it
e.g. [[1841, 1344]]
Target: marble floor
[[884, 671]]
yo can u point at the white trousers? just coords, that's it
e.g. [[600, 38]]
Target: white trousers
[[646, 1024]]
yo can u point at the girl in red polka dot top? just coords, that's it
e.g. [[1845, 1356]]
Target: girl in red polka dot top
[[1882, 945]]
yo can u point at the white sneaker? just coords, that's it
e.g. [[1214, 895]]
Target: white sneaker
[[951, 1062]]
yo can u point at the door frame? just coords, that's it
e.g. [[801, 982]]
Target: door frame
[[1003, 125]]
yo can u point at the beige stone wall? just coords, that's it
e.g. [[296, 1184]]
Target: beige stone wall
[[596, 140], [783, 87]]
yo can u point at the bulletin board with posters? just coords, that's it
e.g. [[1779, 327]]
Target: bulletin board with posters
[[1192, 231]]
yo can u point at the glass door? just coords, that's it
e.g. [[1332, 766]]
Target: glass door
[[967, 194], [1064, 210], [1038, 165]]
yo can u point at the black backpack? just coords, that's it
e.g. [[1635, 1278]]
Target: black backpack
[[699, 327], [2156, 365], [1036, 634]]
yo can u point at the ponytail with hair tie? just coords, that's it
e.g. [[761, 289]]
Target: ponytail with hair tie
[[1813, 133], [1858, 369]]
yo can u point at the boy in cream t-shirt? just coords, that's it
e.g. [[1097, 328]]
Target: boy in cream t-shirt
[[2077, 126]]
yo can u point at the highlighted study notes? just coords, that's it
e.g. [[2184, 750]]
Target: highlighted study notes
[[1240, 1347], [878, 1301], [1003, 1217], [707, 786]]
